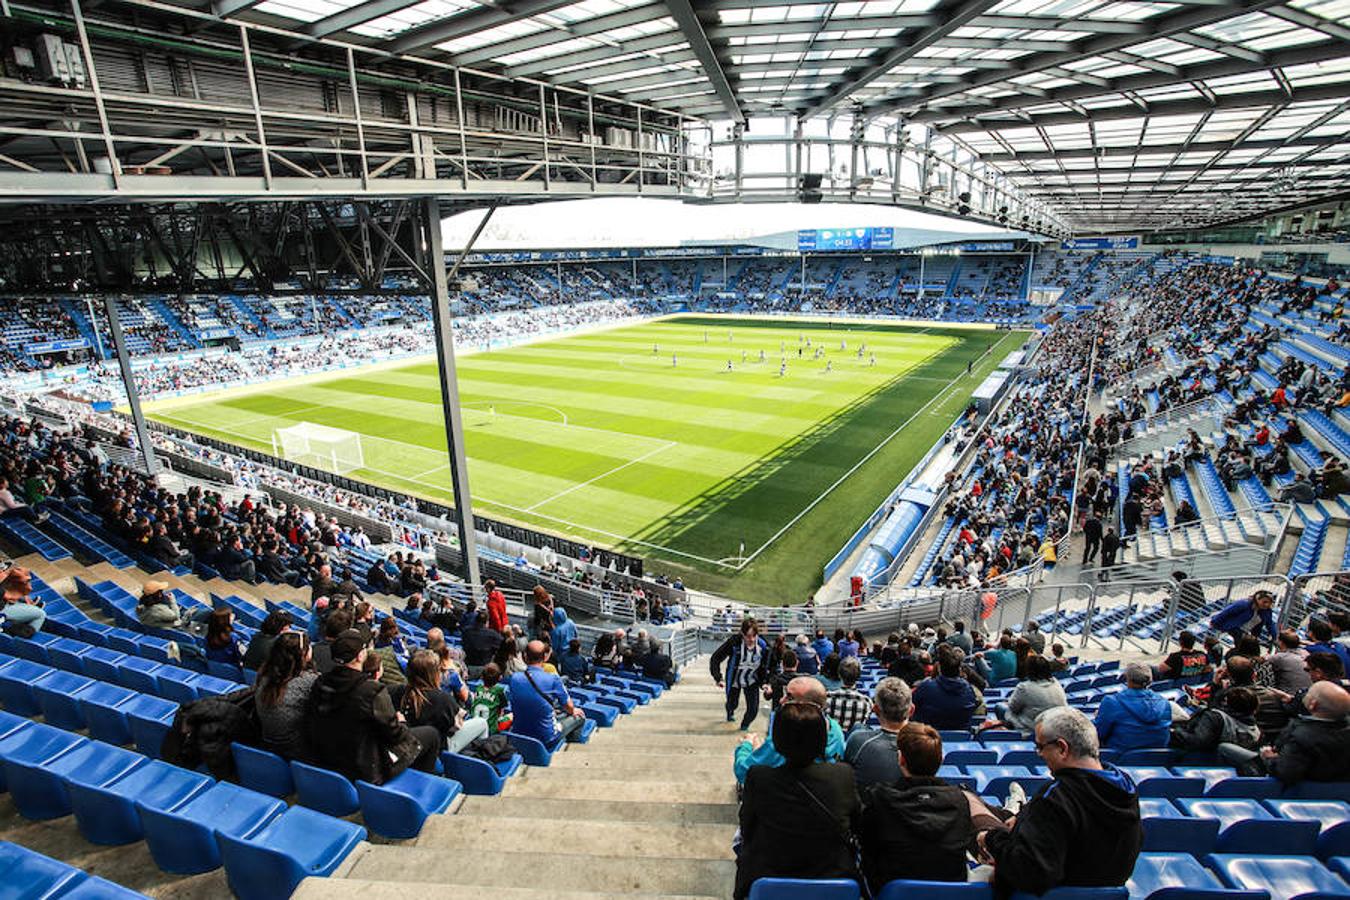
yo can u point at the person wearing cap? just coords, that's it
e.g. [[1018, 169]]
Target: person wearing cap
[[351, 722], [157, 608], [21, 611]]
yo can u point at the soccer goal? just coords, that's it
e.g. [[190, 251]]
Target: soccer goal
[[334, 449]]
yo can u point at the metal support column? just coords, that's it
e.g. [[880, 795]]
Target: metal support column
[[445, 356], [129, 382]]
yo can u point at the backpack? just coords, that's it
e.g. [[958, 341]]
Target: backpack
[[495, 748]]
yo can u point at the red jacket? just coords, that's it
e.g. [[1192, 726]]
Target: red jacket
[[496, 607]]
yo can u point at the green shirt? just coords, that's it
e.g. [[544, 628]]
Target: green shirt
[[489, 703]]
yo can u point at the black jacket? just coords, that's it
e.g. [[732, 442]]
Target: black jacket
[[204, 729], [272, 567], [787, 834], [1209, 728], [353, 729], [907, 668], [1081, 829], [914, 828], [480, 645], [438, 710], [1312, 750]]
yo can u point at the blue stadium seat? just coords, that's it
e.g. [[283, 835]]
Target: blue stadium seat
[[32, 876], [1077, 893], [1167, 829], [179, 685], [106, 813], [1177, 876], [58, 697], [324, 790], [262, 771], [149, 729], [531, 749], [101, 663], [477, 777], [398, 808], [300, 843], [1155, 781], [17, 677], [67, 654], [1332, 817], [1318, 790], [101, 707], [10, 723], [183, 840], [138, 674], [1245, 826], [39, 788], [95, 888], [913, 889], [34, 648], [804, 889], [36, 745], [1285, 877], [1341, 866]]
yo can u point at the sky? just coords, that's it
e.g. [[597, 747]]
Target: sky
[[647, 222]]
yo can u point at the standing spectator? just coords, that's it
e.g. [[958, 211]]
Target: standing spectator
[[946, 700], [540, 705], [496, 607], [1136, 718], [541, 612], [1082, 830], [783, 834], [747, 668], [848, 706], [871, 751], [352, 726], [1250, 616], [1092, 538]]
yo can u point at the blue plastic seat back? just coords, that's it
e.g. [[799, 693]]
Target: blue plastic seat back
[[95, 888], [1178, 876], [324, 790], [1245, 826], [102, 710], [37, 745], [148, 733], [16, 686], [102, 663], [1285, 877], [10, 723], [1245, 788], [106, 813], [296, 845], [1332, 816], [398, 808], [33, 876], [804, 889], [183, 841], [477, 777], [262, 771], [58, 697], [913, 889], [533, 750]]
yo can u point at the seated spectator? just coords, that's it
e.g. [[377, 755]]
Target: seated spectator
[[605, 653], [658, 664], [393, 652], [222, 645], [776, 686], [846, 645], [1323, 641], [1033, 695], [1288, 664], [1035, 637], [158, 608], [752, 752], [282, 693], [848, 706], [784, 833], [422, 702], [808, 663], [1240, 672], [1002, 662], [1082, 830], [915, 826], [573, 665], [480, 645], [822, 645], [1186, 661], [162, 548], [12, 507], [905, 665], [24, 616], [1057, 659], [491, 701], [946, 700], [828, 676], [1233, 723], [1319, 667], [1136, 718], [1249, 616], [871, 751], [260, 647], [337, 622], [1314, 747], [540, 705], [352, 726]]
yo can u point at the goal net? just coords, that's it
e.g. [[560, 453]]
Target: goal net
[[334, 449]]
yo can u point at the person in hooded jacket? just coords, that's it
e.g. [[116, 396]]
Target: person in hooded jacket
[[1234, 723], [564, 630], [352, 726], [1136, 718], [1082, 829], [946, 700]]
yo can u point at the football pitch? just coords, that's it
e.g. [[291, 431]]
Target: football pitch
[[728, 450]]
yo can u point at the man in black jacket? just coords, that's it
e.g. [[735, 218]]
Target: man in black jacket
[[1082, 829], [1314, 747], [480, 645], [352, 725], [917, 826]]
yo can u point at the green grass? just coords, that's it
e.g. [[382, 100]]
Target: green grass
[[602, 438]]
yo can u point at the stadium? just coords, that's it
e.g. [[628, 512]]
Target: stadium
[[745, 448]]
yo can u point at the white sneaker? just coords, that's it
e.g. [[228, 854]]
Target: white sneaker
[[1017, 797]]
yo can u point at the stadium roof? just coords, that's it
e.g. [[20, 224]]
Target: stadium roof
[[1117, 113]]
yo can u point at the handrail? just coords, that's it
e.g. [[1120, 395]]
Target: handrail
[[1165, 417]]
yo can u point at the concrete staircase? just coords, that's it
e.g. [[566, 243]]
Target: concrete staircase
[[646, 809]]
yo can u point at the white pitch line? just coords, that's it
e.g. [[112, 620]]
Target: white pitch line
[[618, 468]]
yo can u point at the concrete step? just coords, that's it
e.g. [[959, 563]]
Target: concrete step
[[637, 767], [610, 839], [630, 740], [360, 889], [666, 791], [602, 810], [714, 725], [490, 866]]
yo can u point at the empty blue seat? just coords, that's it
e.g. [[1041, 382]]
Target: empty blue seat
[[324, 790], [183, 840], [913, 889], [148, 730], [300, 843], [1245, 826], [17, 677], [531, 749], [1000, 735], [1167, 829], [10, 723], [477, 777], [1177, 876], [211, 686], [138, 674], [36, 745], [1285, 877], [262, 771], [67, 654], [106, 812], [1156, 781], [1332, 816], [1077, 893], [1153, 757], [101, 708], [95, 888], [965, 757], [32, 876], [101, 663], [58, 698], [179, 685], [34, 648], [1318, 790], [40, 789], [398, 808], [804, 889]]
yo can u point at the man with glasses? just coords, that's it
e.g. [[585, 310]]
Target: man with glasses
[[1082, 829], [751, 751]]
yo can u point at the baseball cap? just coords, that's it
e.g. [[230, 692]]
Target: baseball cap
[[348, 646]]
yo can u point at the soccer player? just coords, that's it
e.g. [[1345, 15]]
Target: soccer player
[[843, 345], [673, 360], [742, 356], [655, 349], [761, 355], [728, 365], [705, 335], [829, 366], [782, 369], [860, 353], [874, 360]]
